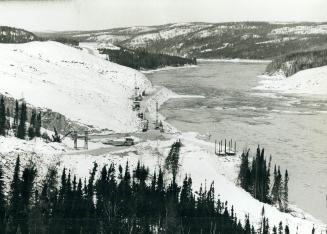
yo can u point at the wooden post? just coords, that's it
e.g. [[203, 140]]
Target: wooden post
[[157, 110], [228, 146], [75, 139], [221, 146], [235, 148], [86, 140], [225, 145], [215, 146]]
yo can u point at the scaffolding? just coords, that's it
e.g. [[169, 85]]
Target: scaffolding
[[224, 151], [85, 137]]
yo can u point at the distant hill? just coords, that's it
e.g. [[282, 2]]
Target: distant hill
[[247, 40], [295, 62], [15, 35]]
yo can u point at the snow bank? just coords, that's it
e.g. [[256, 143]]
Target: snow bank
[[81, 86], [312, 81]]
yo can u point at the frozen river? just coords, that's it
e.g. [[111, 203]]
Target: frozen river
[[291, 128]]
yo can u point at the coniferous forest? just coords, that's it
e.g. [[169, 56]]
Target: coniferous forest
[[255, 178], [117, 201], [141, 59], [295, 62]]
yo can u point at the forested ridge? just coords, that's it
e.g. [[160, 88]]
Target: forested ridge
[[141, 59], [246, 40], [295, 62]]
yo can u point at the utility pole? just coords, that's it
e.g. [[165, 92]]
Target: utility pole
[[157, 117], [75, 139], [86, 140]]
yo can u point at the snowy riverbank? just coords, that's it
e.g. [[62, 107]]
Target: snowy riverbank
[[307, 82]]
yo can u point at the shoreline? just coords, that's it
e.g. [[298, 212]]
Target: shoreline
[[236, 60], [167, 68]]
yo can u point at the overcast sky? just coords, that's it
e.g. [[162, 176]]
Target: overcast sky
[[101, 14]]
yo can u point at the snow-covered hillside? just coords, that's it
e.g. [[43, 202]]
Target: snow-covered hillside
[[312, 81], [83, 87]]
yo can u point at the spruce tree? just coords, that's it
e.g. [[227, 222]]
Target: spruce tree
[[274, 230], [14, 202], [8, 126], [21, 132], [38, 125], [2, 201], [280, 228], [16, 117], [32, 127], [2, 117], [26, 189], [285, 192]]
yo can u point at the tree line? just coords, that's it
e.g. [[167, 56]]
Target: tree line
[[255, 178], [123, 201], [295, 62], [116, 202], [141, 59]]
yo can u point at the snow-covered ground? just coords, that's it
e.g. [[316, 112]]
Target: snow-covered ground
[[83, 87], [90, 90], [311, 81]]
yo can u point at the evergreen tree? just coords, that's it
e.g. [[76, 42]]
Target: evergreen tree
[[285, 191], [274, 230], [244, 174], [8, 126], [2, 201], [2, 117], [32, 127], [14, 202], [16, 117], [38, 125], [21, 132], [280, 228], [26, 188], [287, 230]]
